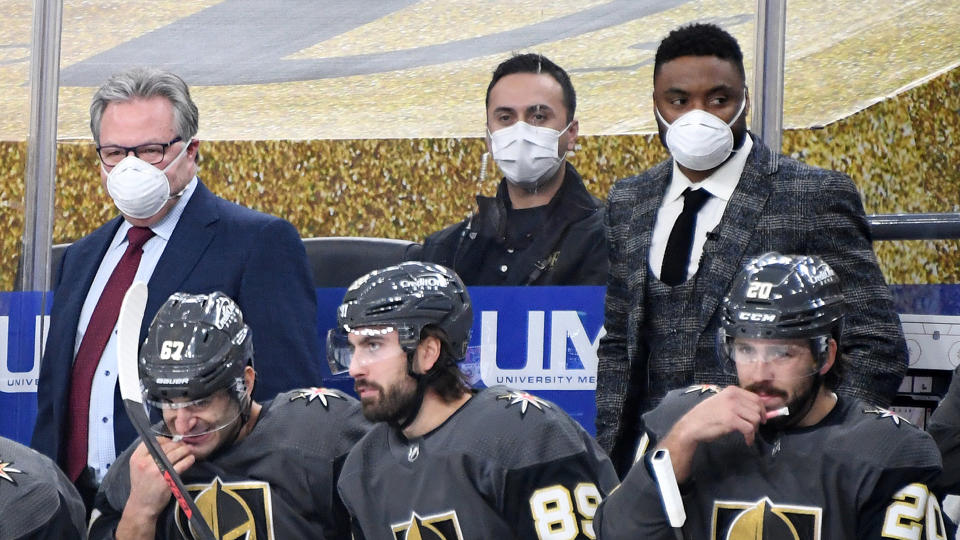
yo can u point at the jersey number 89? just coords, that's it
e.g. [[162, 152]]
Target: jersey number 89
[[553, 514]]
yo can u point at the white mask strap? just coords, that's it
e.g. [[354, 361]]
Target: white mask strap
[[186, 144]]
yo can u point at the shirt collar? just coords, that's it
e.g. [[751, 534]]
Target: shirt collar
[[720, 184]]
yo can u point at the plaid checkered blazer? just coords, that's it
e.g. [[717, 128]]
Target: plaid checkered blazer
[[780, 205]]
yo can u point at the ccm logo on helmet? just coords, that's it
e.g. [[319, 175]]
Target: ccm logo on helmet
[[424, 282], [756, 317]]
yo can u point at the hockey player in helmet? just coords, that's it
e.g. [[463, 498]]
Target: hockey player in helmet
[[196, 368], [404, 303], [445, 461], [780, 455], [780, 309], [256, 470]]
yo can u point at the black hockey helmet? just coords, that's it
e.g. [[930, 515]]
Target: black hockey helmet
[[406, 297], [197, 344], [782, 297]]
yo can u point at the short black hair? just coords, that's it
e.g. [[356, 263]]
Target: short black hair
[[537, 63], [699, 39]]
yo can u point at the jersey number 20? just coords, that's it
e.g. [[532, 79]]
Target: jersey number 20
[[913, 510]]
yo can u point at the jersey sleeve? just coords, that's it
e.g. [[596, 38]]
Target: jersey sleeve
[[635, 509], [339, 424], [550, 474], [62, 524], [559, 498], [902, 506], [37, 500], [104, 519], [111, 497], [944, 427]]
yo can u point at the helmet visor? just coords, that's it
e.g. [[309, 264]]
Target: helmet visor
[[375, 344], [193, 419], [781, 359]]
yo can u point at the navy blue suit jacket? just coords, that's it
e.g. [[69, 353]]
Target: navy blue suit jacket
[[256, 259]]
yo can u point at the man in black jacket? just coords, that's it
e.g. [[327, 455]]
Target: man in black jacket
[[543, 227]]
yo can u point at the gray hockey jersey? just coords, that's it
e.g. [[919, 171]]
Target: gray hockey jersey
[[278, 482], [944, 426], [505, 465], [37, 501], [860, 473]]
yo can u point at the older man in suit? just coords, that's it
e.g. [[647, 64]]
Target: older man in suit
[[178, 236], [679, 232]]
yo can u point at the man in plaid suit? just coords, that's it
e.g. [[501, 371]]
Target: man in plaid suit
[[738, 199]]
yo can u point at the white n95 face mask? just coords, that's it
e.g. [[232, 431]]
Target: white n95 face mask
[[138, 188], [527, 155], [699, 140]]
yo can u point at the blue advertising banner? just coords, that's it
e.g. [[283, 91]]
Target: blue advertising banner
[[23, 323], [540, 339]]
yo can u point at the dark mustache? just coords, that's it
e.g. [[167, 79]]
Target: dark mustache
[[766, 389], [357, 386]]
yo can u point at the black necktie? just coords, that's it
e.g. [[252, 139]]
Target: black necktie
[[676, 258]]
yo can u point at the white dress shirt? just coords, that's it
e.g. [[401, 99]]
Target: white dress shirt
[[100, 445], [720, 184]]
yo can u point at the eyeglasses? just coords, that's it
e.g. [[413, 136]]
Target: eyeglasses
[[152, 153]]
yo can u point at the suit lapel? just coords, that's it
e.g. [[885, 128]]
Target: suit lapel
[[85, 258], [642, 220], [737, 227], [193, 233]]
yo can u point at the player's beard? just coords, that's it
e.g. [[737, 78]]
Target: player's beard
[[796, 405], [392, 401]]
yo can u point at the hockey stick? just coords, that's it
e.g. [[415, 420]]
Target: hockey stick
[[669, 491], [128, 345]]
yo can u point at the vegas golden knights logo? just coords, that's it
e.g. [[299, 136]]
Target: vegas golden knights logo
[[234, 510], [436, 527], [763, 520]]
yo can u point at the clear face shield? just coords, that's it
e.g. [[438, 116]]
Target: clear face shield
[[193, 420], [370, 345], [782, 372], [777, 359]]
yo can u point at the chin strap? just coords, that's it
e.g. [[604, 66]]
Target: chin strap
[[245, 412], [410, 412]]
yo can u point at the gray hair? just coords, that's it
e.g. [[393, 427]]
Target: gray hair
[[145, 83]]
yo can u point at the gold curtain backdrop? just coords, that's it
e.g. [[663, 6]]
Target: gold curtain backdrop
[[902, 153]]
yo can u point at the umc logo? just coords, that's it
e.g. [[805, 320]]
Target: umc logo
[[562, 356], [12, 380]]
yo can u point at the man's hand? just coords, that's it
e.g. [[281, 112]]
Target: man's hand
[[733, 409], [149, 493]]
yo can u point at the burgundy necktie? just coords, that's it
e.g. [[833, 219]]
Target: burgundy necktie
[[676, 256], [101, 325]]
